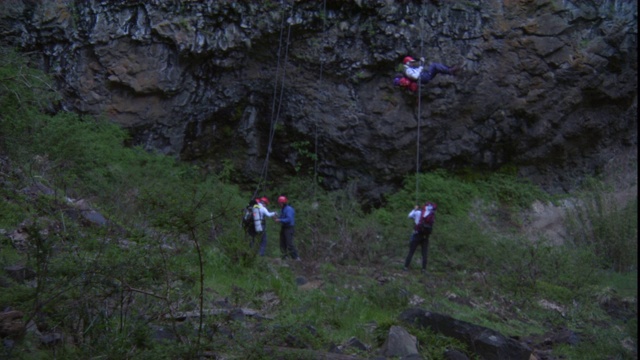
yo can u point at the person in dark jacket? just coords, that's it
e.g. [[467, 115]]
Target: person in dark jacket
[[287, 220], [423, 232]]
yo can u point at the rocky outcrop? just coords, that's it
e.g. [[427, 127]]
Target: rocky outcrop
[[548, 87], [484, 342]]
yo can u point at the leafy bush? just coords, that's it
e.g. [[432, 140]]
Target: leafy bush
[[11, 213], [511, 190], [460, 243], [452, 195], [25, 95]]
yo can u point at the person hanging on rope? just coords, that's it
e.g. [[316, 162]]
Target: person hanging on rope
[[414, 72]]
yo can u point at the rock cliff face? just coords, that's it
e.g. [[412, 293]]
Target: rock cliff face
[[549, 87]]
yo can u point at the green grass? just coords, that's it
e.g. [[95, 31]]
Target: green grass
[[625, 284], [595, 345]]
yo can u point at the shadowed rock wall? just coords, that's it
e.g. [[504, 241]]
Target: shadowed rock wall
[[549, 87]]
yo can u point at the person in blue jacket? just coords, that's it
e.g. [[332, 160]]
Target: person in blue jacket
[[287, 220]]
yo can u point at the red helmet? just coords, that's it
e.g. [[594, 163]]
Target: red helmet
[[282, 200], [407, 59], [413, 86], [265, 200]]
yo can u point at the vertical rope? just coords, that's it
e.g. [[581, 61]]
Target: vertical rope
[[315, 150], [419, 109], [275, 121], [263, 172]]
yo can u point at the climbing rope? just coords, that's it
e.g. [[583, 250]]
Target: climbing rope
[[419, 108], [315, 150], [275, 114]]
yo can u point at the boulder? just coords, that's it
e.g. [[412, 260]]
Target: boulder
[[486, 343], [399, 343]]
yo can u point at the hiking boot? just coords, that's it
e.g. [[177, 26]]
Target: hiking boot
[[423, 271], [405, 269], [298, 259]]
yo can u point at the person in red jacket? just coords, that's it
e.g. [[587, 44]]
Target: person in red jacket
[[422, 234]]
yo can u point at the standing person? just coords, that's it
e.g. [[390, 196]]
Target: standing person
[[415, 215], [262, 203], [423, 232], [287, 220], [415, 70]]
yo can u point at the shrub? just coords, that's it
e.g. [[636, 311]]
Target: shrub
[[25, 95], [511, 190], [599, 222], [11, 213]]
